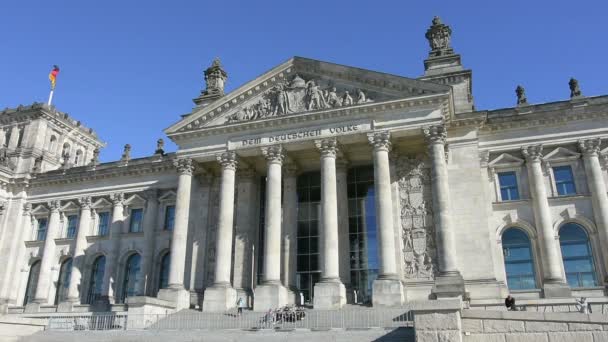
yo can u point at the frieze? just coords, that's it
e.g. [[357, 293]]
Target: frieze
[[416, 217]]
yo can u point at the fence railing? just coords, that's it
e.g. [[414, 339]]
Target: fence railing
[[190, 320], [599, 308]]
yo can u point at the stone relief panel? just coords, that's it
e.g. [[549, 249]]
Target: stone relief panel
[[299, 95], [418, 231]]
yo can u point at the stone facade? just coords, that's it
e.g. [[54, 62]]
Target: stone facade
[[223, 217]]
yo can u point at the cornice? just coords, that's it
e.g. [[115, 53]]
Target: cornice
[[333, 113]]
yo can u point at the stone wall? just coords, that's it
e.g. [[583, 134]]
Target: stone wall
[[493, 326]]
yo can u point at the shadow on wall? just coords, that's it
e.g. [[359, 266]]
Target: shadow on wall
[[399, 334]]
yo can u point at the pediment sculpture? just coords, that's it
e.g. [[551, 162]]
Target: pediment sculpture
[[298, 95]]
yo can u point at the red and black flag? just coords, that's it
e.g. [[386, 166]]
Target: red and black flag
[[53, 76]]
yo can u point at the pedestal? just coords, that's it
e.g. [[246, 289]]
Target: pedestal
[[66, 306], [32, 307], [269, 296], [329, 295], [219, 299], [448, 286], [556, 290], [293, 296], [179, 297], [387, 292]]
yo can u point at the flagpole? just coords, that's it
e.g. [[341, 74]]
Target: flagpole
[[51, 97]]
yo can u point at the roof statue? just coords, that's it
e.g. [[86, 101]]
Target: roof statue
[[521, 95], [575, 90], [439, 36], [215, 79]]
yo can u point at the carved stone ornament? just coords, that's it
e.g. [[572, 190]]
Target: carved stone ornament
[[273, 154], [54, 205], [575, 89], [439, 36], [227, 160], [95, 159], [117, 198], [532, 153], [298, 96], [590, 147], [126, 154], [436, 134], [418, 231], [521, 95], [215, 78], [85, 202], [327, 147], [27, 208], [380, 141], [184, 166], [160, 145]]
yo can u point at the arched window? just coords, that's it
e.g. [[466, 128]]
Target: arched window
[[131, 279], [519, 264], [96, 280], [53, 144], [63, 283], [32, 282], [163, 275], [578, 259]]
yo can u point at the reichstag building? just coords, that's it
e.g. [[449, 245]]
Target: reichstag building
[[314, 184]]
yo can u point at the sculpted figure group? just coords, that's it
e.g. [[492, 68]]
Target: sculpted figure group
[[297, 96]]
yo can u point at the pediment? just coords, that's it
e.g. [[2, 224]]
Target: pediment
[[303, 85], [506, 160], [70, 206], [101, 203], [168, 196], [561, 154], [135, 200], [40, 209]]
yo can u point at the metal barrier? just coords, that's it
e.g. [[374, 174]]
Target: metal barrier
[[190, 320], [599, 308]]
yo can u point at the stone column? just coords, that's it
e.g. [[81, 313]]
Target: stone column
[[387, 289], [553, 282], [330, 293], [271, 293], [74, 296], [599, 199], [110, 275], [449, 281], [150, 225], [290, 231], [48, 257], [221, 296], [343, 229], [176, 292], [14, 139]]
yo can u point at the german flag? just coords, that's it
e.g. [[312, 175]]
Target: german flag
[[53, 76]]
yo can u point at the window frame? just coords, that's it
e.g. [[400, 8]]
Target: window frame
[[554, 186], [597, 274], [533, 255], [98, 222], [131, 222], [518, 177], [166, 209], [37, 220], [67, 224], [500, 187]]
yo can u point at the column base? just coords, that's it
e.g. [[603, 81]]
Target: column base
[[556, 290], [387, 292], [329, 295], [269, 296], [180, 297], [219, 299], [448, 286], [293, 296], [32, 307], [67, 306]]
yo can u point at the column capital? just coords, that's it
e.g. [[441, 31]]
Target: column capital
[[151, 194], [590, 147], [54, 205], [273, 154], [85, 202], [184, 166], [380, 141], [532, 153], [227, 160], [328, 147], [27, 209], [117, 198], [435, 134]]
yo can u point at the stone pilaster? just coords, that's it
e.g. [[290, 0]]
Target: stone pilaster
[[74, 295], [221, 296], [553, 282], [290, 231], [271, 293], [176, 291], [387, 289], [150, 224], [110, 275], [330, 293], [599, 199], [48, 256], [449, 282]]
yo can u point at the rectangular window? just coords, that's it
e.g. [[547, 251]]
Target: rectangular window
[[564, 180], [135, 225], [508, 186], [72, 226], [104, 224], [41, 232], [169, 217]]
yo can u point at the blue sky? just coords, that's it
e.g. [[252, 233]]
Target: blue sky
[[129, 69]]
